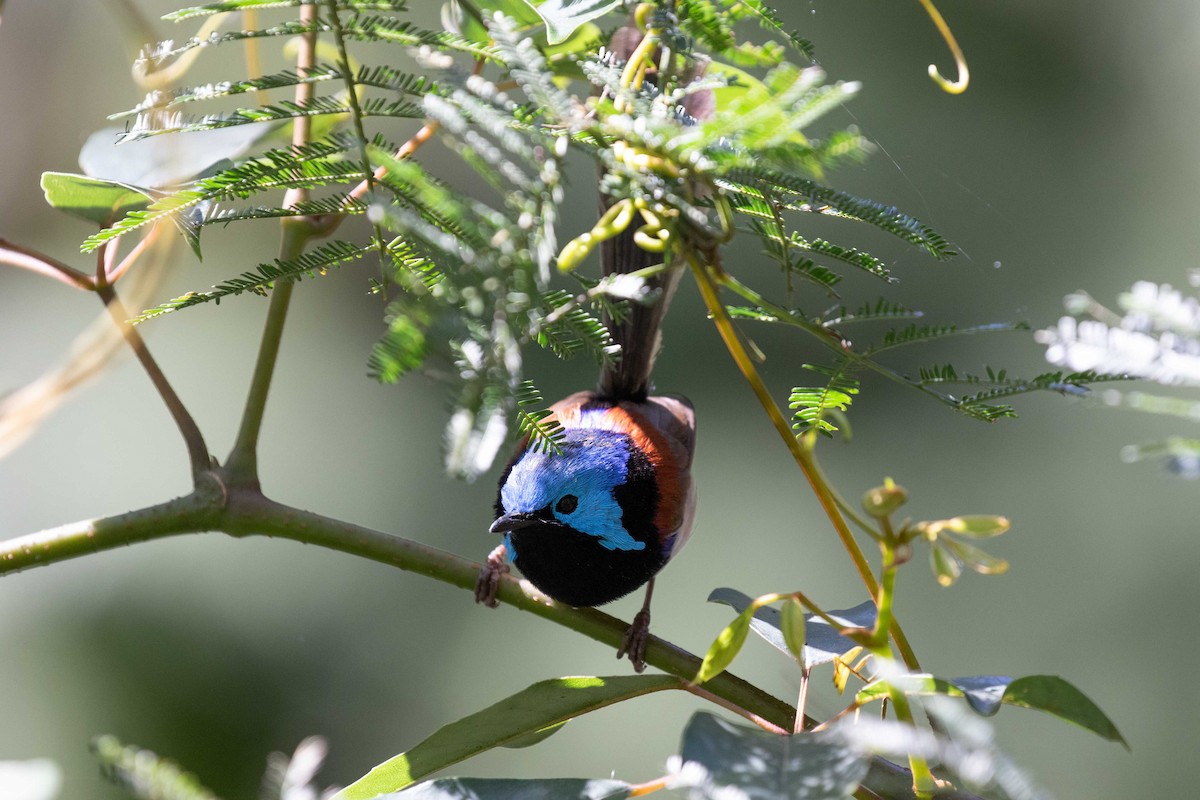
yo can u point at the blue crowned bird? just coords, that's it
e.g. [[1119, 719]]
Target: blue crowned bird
[[598, 519]]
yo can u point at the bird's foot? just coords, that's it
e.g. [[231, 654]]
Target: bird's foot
[[488, 582], [634, 643]]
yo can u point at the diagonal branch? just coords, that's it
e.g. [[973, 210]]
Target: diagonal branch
[[244, 511], [198, 454], [17, 256], [803, 458], [241, 511]]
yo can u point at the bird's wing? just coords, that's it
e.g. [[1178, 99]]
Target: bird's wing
[[676, 418]]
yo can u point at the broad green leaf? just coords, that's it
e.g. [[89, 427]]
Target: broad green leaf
[[508, 789], [459, 20], [725, 647], [583, 38], [986, 693], [767, 765], [1056, 696], [93, 199], [563, 17], [537, 737], [529, 711], [822, 644]]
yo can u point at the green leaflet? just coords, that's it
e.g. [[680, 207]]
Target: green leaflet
[[986, 693], [540, 706], [93, 199]]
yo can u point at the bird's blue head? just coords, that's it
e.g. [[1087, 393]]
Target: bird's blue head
[[580, 523], [574, 488]]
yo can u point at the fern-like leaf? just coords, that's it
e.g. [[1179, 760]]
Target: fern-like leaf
[[402, 348], [314, 262], [366, 28], [209, 9], [569, 328], [316, 164], [769, 20], [813, 405], [157, 122], [881, 309], [914, 334], [340, 204], [803, 194], [543, 436], [146, 775]]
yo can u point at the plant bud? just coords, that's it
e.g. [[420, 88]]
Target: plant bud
[[883, 501]]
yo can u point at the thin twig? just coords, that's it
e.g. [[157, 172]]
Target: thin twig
[[766, 725], [113, 274], [724, 325], [25, 258], [197, 450]]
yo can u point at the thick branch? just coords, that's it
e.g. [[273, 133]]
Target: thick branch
[[244, 511]]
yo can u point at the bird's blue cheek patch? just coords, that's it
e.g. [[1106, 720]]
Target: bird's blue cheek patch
[[591, 465]]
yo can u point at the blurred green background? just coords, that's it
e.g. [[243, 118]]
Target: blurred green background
[[1070, 163]]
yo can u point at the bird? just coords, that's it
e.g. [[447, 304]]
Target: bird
[[600, 516], [598, 519]]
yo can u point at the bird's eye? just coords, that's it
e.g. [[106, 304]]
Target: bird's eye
[[567, 504]]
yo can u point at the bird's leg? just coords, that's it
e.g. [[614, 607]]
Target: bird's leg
[[634, 643], [488, 582]]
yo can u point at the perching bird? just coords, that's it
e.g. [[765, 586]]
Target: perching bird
[[600, 519]]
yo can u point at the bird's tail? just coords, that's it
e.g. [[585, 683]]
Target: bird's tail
[[639, 333]]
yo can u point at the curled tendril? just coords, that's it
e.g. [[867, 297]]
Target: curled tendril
[[964, 75]]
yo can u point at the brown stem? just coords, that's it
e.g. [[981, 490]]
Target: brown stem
[[197, 450], [25, 258], [113, 273]]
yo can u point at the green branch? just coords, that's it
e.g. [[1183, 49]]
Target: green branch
[[802, 455], [221, 505], [297, 231]]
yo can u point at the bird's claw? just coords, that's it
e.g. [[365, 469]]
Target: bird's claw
[[488, 582], [634, 643]]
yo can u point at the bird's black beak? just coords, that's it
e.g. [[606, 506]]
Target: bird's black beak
[[514, 521]]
